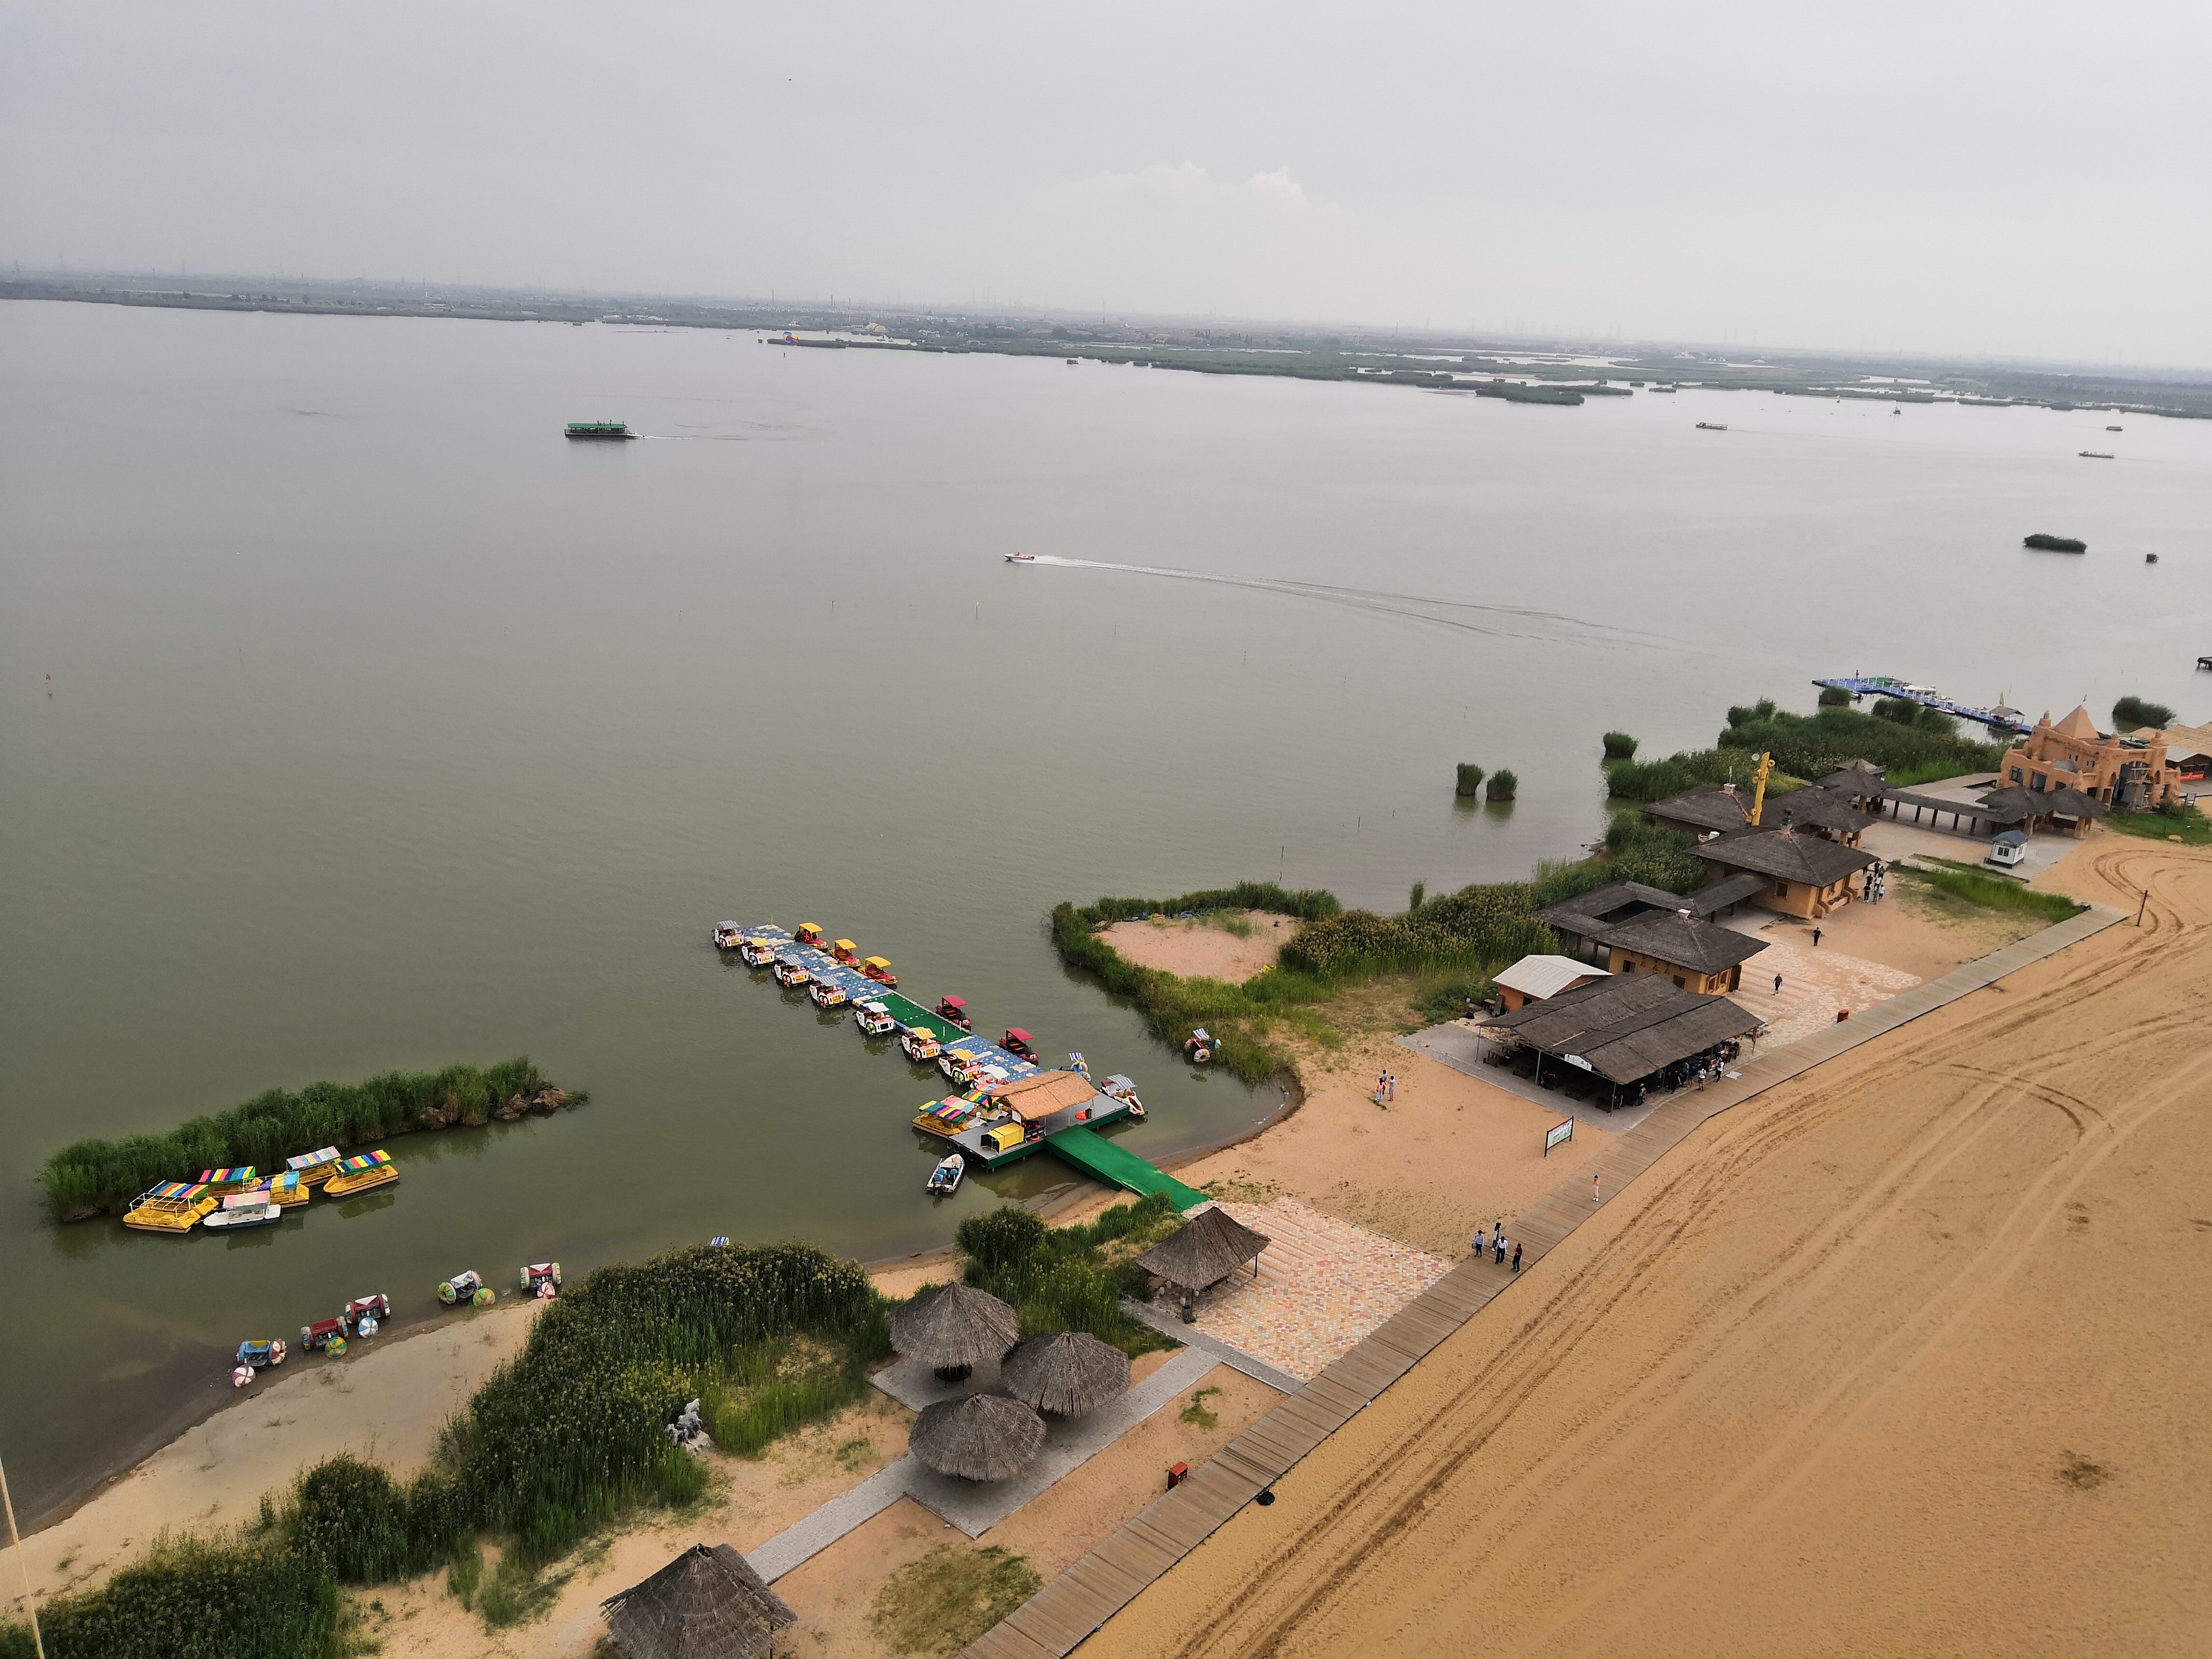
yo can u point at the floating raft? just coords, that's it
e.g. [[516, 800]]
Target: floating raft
[[1070, 1132], [1883, 685]]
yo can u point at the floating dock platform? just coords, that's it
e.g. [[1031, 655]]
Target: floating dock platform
[[1881, 685], [1071, 1133]]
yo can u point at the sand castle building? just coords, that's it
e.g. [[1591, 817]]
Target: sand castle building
[[2126, 773]]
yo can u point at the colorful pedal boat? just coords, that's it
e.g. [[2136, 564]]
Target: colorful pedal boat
[[729, 936], [1120, 1088], [827, 995], [810, 932], [1019, 1043], [364, 1314], [232, 1178], [468, 1286], [954, 1009], [360, 1173], [946, 1118], [541, 1279], [790, 972], [878, 968], [844, 950], [919, 1043], [756, 952], [327, 1334], [170, 1207], [315, 1168], [288, 1189]]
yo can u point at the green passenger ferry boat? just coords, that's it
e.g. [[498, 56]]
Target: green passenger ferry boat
[[600, 430]]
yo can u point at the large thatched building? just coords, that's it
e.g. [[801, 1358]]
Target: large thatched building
[[981, 1437], [1204, 1250]]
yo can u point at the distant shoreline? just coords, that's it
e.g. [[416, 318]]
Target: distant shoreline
[[1563, 374]]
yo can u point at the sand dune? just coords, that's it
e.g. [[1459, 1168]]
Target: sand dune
[[1907, 1356]]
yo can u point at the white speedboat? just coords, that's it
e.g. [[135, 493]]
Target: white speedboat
[[945, 1179], [1021, 558], [1119, 1088]]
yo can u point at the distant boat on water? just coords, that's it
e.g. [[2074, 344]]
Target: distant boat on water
[[2096, 455], [1710, 426], [600, 430]]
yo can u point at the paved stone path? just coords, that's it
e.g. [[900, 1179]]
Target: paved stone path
[[976, 1507], [1170, 1324]]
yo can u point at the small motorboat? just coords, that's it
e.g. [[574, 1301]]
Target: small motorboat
[[2096, 455], [827, 995], [790, 972], [756, 952], [463, 1286], [945, 1179], [954, 1009], [1710, 426], [1199, 1046], [360, 1173], [1021, 558], [1019, 1043], [873, 1019], [729, 936], [541, 1279], [919, 1042], [242, 1210], [1120, 1088], [878, 968], [361, 1315]]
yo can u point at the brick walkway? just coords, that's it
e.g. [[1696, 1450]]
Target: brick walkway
[[1814, 984], [1324, 1285]]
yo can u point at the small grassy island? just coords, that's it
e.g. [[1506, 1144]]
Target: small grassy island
[[2055, 544], [96, 1177]]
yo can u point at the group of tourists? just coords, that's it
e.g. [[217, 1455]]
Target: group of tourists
[[1495, 1242], [1876, 885], [1386, 1089]]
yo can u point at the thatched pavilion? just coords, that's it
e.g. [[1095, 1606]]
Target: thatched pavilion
[[983, 1437], [953, 1328], [1204, 1250], [1067, 1373], [708, 1604]]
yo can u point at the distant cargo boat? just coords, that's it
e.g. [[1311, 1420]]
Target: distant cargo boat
[[600, 430], [1710, 426], [2096, 455], [2055, 544]]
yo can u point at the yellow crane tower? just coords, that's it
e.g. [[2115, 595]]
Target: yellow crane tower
[[1758, 785]]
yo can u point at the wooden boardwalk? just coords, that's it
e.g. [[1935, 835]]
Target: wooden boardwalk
[[1064, 1614]]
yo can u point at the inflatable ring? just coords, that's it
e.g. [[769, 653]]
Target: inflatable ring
[[1199, 1056]]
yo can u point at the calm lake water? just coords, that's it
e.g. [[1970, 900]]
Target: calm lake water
[[387, 728]]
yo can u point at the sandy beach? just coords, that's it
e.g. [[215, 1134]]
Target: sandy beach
[[1899, 1356], [1709, 1336]]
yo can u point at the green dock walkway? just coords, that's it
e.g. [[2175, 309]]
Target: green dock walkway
[[1097, 1156]]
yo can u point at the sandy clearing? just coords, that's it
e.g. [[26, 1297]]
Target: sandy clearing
[[1198, 950], [387, 1402], [1904, 1355]]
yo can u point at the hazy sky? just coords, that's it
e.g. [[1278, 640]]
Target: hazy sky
[[2027, 177]]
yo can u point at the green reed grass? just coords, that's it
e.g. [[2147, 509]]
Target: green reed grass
[[92, 1176], [1997, 892], [195, 1599], [1068, 1279]]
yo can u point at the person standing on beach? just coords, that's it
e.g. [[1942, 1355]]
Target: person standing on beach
[[1596, 1192], [1777, 985], [1390, 1082], [1816, 939], [1516, 1258]]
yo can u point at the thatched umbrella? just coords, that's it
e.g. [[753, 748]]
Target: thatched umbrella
[[952, 1329], [1204, 1250], [984, 1436], [708, 1604], [1067, 1373]]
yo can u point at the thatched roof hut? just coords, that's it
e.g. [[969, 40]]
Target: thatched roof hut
[[984, 1436], [1204, 1250], [1067, 1373], [953, 1327], [708, 1604]]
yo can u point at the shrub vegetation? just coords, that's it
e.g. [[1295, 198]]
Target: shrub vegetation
[[90, 1176], [2130, 713], [1997, 892], [1503, 786], [1619, 746], [1068, 1279], [1470, 779]]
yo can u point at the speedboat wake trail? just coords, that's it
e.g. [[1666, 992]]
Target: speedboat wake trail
[[1497, 621]]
